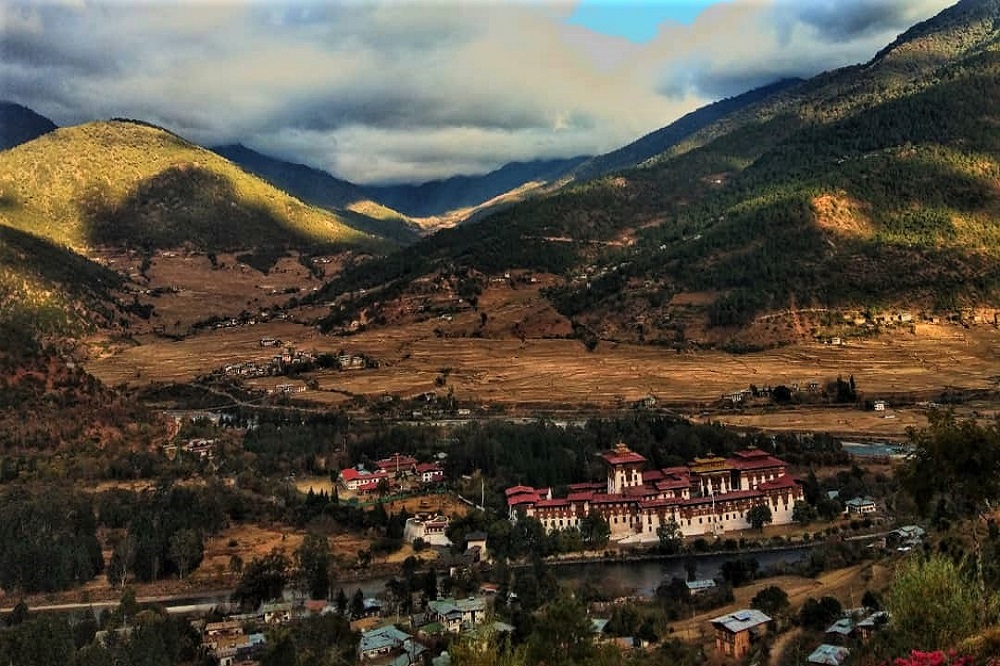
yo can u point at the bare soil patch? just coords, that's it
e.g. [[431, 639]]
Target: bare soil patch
[[846, 585]]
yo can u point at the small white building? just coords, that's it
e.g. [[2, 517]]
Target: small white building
[[430, 528], [861, 506]]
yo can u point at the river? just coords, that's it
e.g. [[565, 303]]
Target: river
[[640, 577]]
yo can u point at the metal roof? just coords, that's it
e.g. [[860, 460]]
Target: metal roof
[[387, 637], [828, 655], [843, 626], [741, 620]]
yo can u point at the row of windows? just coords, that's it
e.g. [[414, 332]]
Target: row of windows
[[551, 523]]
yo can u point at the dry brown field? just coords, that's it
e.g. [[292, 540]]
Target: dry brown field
[[561, 372]]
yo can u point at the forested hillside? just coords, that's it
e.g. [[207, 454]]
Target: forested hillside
[[870, 186]]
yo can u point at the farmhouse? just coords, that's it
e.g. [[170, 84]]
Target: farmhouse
[[828, 655], [387, 641], [861, 506], [456, 615], [736, 633], [362, 481], [711, 495], [397, 464], [430, 473]]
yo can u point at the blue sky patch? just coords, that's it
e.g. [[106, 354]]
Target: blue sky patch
[[635, 20]]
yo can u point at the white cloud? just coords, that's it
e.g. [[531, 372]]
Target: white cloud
[[415, 91]]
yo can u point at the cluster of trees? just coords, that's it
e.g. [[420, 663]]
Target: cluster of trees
[[159, 533], [149, 637], [48, 541]]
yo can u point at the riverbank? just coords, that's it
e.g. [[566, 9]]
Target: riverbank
[[625, 556]]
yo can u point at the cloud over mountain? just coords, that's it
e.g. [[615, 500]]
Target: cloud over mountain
[[410, 92]]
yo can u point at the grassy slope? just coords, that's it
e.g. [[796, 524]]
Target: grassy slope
[[47, 289], [127, 184]]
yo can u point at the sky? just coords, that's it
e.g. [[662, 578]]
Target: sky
[[409, 91]]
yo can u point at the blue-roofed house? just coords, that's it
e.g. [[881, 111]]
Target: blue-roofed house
[[736, 632], [457, 614], [383, 641], [840, 631], [871, 624], [828, 655]]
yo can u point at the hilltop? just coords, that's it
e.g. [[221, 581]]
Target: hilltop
[[868, 188], [132, 185]]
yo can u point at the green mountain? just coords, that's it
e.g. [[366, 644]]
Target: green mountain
[[873, 186], [19, 124], [128, 184], [655, 143]]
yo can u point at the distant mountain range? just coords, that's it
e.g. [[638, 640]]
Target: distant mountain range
[[19, 124], [438, 197], [472, 197], [321, 189]]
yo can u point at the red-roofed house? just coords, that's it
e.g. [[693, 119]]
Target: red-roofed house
[[397, 464], [430, 473], [362, 482]]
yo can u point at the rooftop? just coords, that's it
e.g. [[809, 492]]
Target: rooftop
[[843, 626], [387, 637], [622, 455], [828, 655], [741, 620], [874, 619]]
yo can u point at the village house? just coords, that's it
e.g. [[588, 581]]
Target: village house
[[867, 627], [737, 632], [457, 615], [387, 641], [828, 655], [227, 643], [429, 473], [840, 631], [397, 465], [861, 506], [711, 495], [696, 587], [475, 544]]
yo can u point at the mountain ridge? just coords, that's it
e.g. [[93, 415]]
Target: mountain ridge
[[889, 167], [127, 183], [322, 189], [19, 124]]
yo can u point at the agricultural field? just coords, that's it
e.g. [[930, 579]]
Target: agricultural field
[[540, 373]]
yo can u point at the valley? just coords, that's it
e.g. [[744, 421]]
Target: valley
[[727, 393]]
